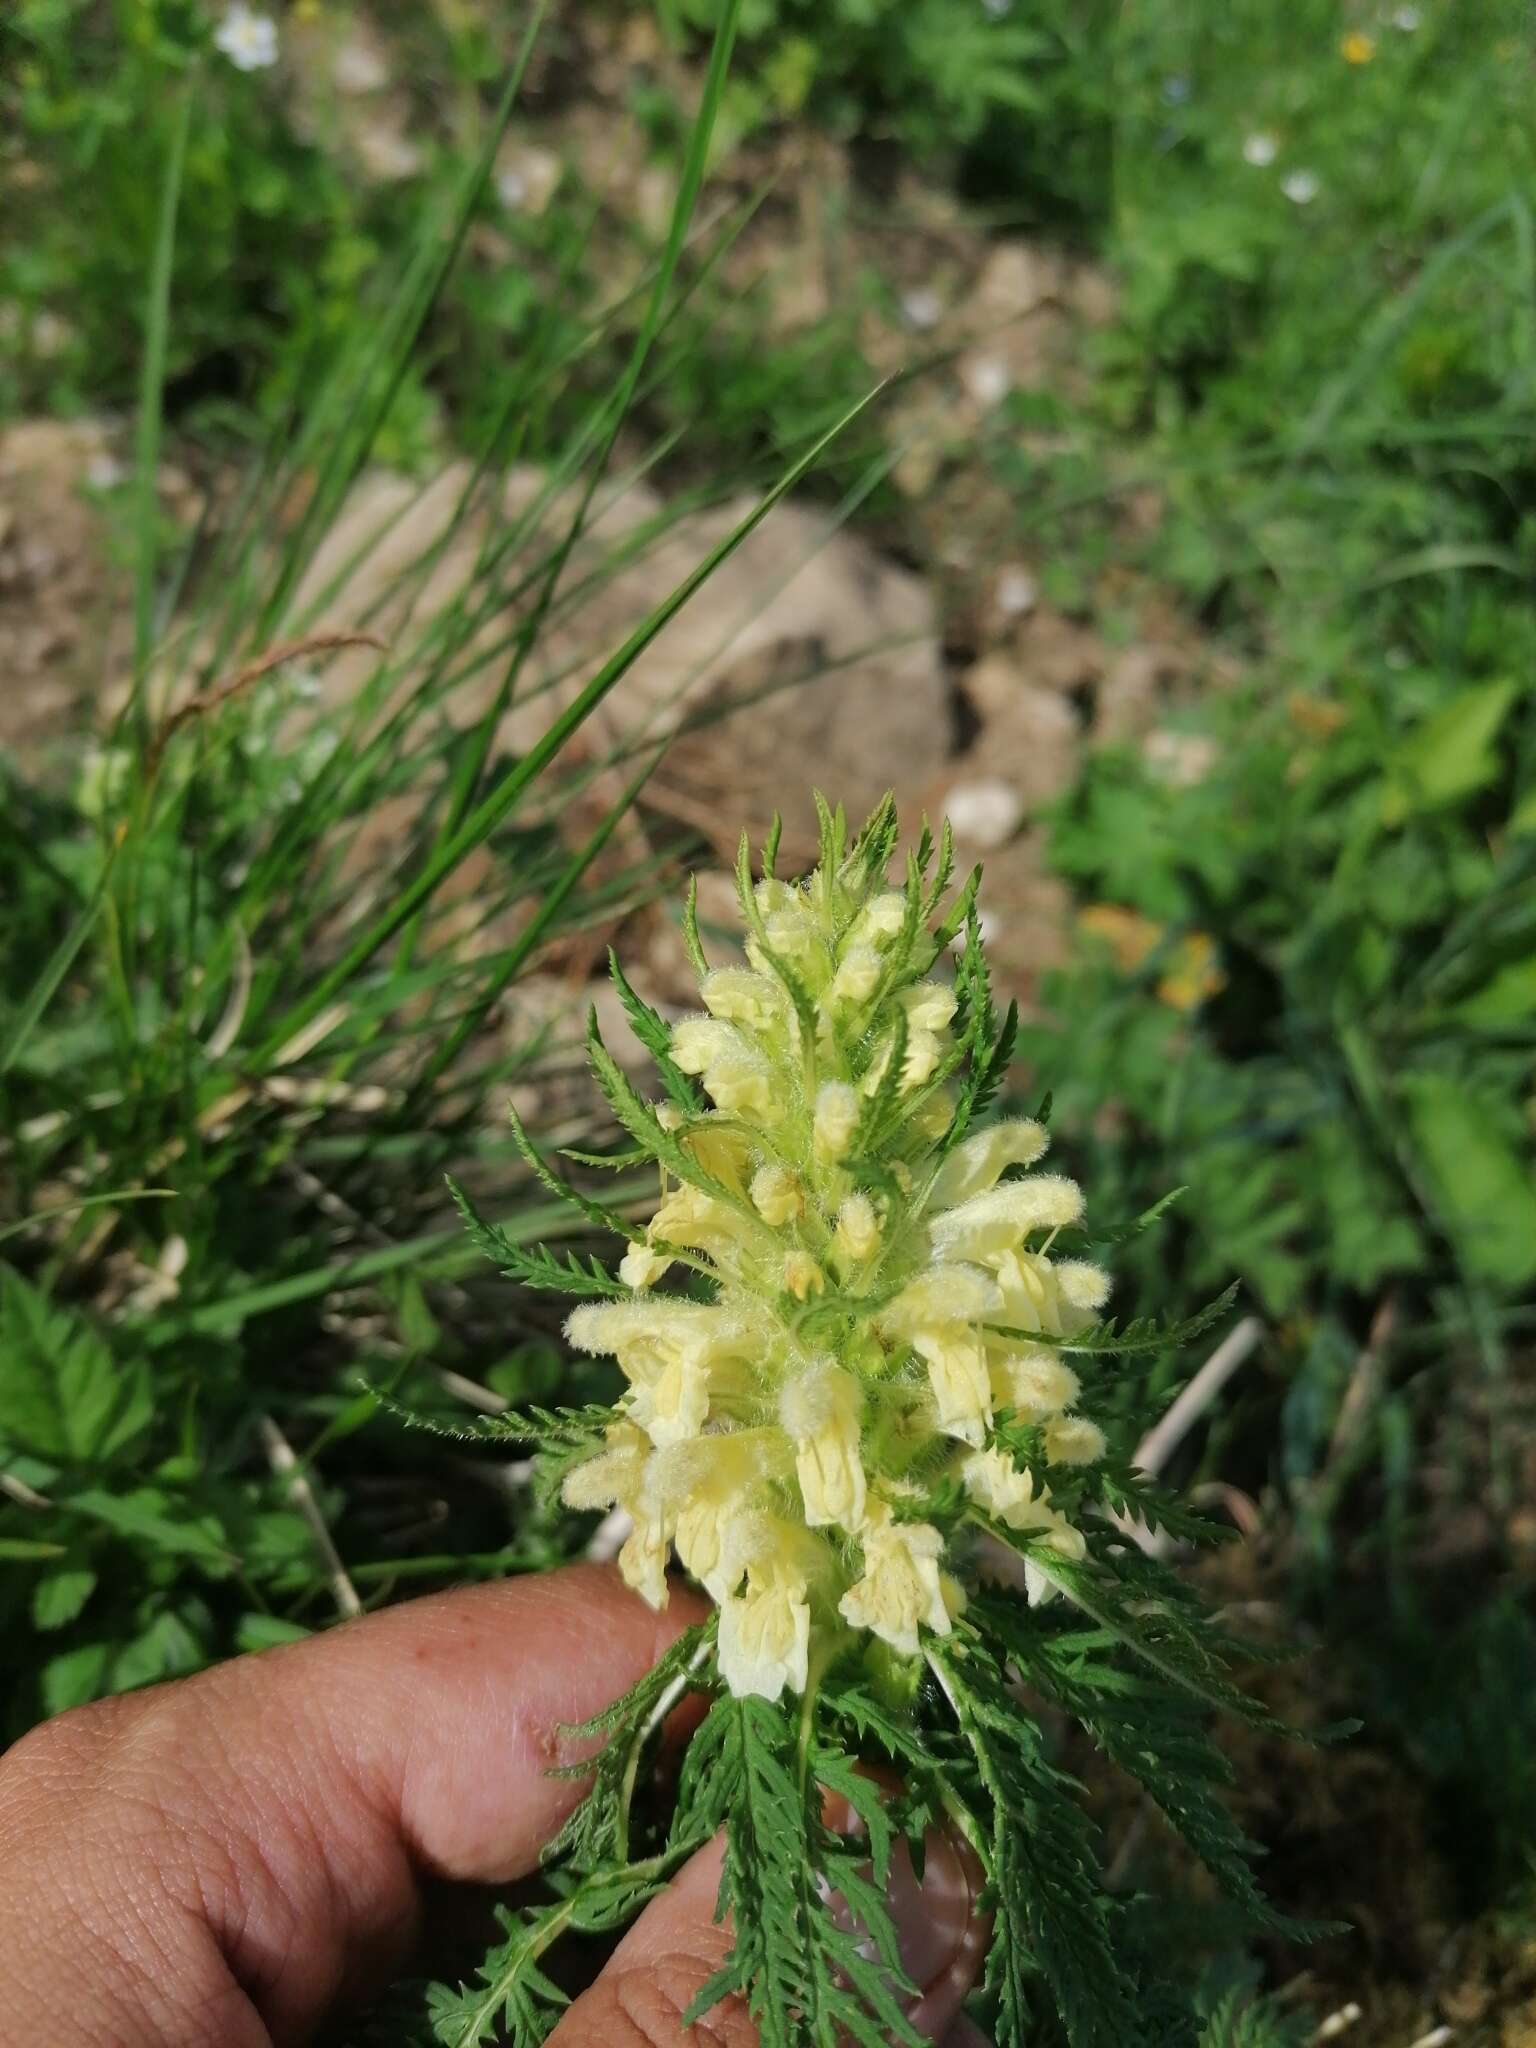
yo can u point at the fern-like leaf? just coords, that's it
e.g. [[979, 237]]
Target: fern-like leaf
[[536, 1266], [651, 1030]]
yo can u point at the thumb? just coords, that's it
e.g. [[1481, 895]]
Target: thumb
[[677, 1945], [226, 1857]]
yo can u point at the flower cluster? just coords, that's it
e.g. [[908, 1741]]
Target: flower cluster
[[846, 1288]]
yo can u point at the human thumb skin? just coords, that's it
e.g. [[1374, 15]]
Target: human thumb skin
[[676, 1945], [232, 1857]]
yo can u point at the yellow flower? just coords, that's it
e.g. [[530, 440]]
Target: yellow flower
[[617, 1477], [852, 1323], [1129, 936], [614, 1477], [765, 1632], [1003, 1217], [671, 1405], [900, 1590], [978, 1161], [836, 1119], [740, 997], [1067, 1542], [856, 979], [1194, 976], [640, 1267], [802, 1276], [697, 1220], [714, 1484], [667, 1350], [957, 1372], [857, 1237], [776, 1195], [1006, 1493], [733, 1072], [821, 1413], [1035, 1297], [942, 1293], [643, 1560], [1034, 1384], [881, 920], [1357, 48]]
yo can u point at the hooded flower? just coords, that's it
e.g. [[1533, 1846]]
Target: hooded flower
[[862, 1348], [821, 1413], [765, 1631], [900, 1589]]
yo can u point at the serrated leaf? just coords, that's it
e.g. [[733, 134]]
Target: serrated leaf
[[59, 1598], [693, 945], [537, 1267], [642, 1123], [1144, 1333], [63, 1395], [159, 1521], [651, 1030]]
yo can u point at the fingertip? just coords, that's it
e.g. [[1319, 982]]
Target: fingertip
[[649, 1984]]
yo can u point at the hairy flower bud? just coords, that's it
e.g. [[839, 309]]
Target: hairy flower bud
[[836, 1119], [776, 1195], [858, 1231]]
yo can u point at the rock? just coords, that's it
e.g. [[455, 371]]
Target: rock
[[65, 623], [1016, 593], [1030, 735], [359, 65], [807, 660], [984, 813], [1017, 278]]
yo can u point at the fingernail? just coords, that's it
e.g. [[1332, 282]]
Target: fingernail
[[940, 1937], [952, 1953], [929, 1916]]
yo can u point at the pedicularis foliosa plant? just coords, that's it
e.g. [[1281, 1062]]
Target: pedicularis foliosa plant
[[861, 1336]]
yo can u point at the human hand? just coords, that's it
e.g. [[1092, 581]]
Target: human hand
[[230, 1858]]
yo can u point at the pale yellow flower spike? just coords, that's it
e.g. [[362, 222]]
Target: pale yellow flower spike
[[873, 1319]]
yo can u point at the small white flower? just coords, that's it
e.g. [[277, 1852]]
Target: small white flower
[[1260, 149], [1301, 187], [988, 379], [921, 308], [511, 190], [997, 8], [1017, 593], [1407, 19], [104, 472], [246, 38]]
